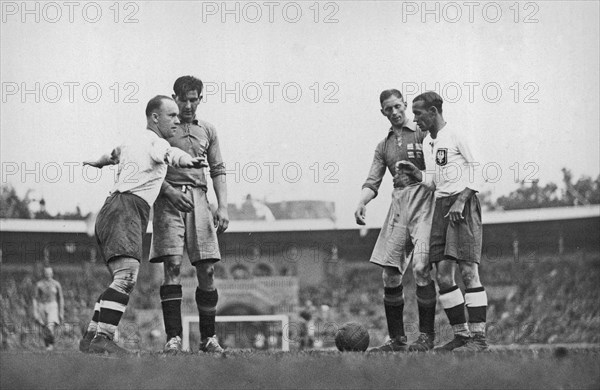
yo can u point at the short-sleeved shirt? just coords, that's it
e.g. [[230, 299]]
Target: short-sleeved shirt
[[451, 163], [407, 146], [46, 291], [199, 139]]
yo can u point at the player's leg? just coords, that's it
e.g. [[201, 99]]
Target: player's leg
[[476, 302], [442, 253], [470, 236], [453, 302], [171, 297], [390, 253], [167, 248], [124, 271], [51, 319], [207, 297], [203, 251], [422, 206], [426, 298]]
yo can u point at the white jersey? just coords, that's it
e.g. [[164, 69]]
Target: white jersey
[[450, 163], [143, 160]]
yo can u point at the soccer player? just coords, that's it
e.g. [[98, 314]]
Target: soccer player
[[405, 232], [123, 220], [182, 218], [48, 306], [456, 232]]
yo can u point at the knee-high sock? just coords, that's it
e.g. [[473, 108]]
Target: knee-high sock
[[112, 307], [453, 303], [426, 300], [170, 299], [207, 307], [476, 301], [393, 301]]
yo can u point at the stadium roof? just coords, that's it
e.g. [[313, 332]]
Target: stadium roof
[[287, 225]]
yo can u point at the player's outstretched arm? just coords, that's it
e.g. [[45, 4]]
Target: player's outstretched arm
[[187, 161], [105, 159]]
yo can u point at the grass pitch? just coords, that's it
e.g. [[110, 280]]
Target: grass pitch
[[504, 369]]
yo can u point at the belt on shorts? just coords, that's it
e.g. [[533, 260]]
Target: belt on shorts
[[184, 187]]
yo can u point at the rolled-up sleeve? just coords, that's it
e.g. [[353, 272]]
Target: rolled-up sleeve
[[377, 170], [213, 155]]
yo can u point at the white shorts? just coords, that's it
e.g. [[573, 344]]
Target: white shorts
[[407, 228], [49, 313]]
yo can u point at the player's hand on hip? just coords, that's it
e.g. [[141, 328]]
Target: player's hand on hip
[[456, 211], [221, 219], [180, 200], [360, 214]]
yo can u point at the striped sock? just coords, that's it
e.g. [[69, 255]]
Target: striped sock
[[112, 307], [426, 300], [207, 307], [476, 301], [393, 302], [93, 325], [170, 298], [454, 305]]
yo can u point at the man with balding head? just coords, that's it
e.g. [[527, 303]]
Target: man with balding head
[[123, 220]]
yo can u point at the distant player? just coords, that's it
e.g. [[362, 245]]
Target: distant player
[[405, 232], [123, 220], [183, 219], [456, 232], [48, 306]]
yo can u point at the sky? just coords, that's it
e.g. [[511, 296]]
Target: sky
[[293, 89]]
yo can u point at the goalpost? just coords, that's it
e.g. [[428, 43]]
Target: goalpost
[[280, 318]]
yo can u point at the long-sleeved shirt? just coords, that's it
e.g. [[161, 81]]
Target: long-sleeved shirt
[[451, 163], [407, 146], [143, 160], [199, 139]]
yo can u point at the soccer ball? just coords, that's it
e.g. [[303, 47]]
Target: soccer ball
[[352, 336]]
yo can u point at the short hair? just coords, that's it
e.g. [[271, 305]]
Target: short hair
[[185, 84], [388, 93], [155, 104], [431, 99]]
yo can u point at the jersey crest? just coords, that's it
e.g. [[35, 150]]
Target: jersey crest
[[441, 156]]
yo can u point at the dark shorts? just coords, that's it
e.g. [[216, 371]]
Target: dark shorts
[[121, 225], [460, 241]]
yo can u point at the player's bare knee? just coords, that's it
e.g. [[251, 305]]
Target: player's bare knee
[[206, 275], [444, 280], [172, 272], [422, 273], [470, 278], [391, 277]]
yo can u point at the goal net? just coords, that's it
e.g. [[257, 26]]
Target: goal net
[[259, 332]]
